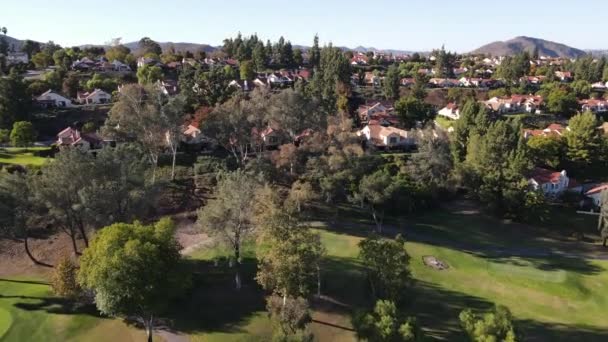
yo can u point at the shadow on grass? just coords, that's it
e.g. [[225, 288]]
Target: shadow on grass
[[213, 304], [32, 282]]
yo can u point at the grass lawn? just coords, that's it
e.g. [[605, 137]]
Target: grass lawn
[[553, 298], [444, 122], [28, 312], [22, 156]]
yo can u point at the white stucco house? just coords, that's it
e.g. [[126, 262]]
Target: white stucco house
[[552, 183], [451, 111], [97, 96], [52, 99], [387, 137]]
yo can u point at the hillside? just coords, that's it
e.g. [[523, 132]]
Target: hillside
[[521, 44], [13, 42], [192, 47]]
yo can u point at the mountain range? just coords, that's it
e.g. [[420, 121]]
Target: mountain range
[[498, 48], [522, 43]]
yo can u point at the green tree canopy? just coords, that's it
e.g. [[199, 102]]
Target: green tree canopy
[[23, 134], [134, 270]]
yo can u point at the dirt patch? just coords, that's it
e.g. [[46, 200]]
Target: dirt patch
[[435, 263]]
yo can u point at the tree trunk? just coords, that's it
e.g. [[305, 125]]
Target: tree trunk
[[84, 235], [237, 267], [605, 239], [173, 164], [318, 281], [378, 223], [149, 328], [29, 253], [74, 246]]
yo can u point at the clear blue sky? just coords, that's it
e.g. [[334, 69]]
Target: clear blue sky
[[399, 24]]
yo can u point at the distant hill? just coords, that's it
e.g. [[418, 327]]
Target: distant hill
[[14, 42], [192, 47], [521, 44]]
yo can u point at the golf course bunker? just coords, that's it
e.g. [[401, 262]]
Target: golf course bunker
[[5, 321], [435, 263]]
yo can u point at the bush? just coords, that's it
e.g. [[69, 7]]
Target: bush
[[4, 136], [22, 134], [290, 320], [63, 280]]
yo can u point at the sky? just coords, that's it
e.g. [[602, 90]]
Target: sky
[[386, 24]]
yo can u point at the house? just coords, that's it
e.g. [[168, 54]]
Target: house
[[242, 85], [596, 193], [470, 81], [52, 99], [407, 82], [553, 130], [603, 128], [17, 58], [564, 76], [551, 183], [372, 80], [594, 105], [120, 66], [359, 59], [515, 103], [444, 82], [269, 137], [387, 137], [600, 86], [192, 134], [73, 137], [143, 61], [450, 111], [168, 87], [97, 96]]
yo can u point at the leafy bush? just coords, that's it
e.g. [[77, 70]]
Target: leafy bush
[[63, 280]]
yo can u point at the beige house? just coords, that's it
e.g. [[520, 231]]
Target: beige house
[[387, 137]]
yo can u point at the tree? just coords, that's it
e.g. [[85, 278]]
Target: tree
[[331, 78], [30, 47], [391, 83], [301, 193], [212, 87], [70, 86], [246, 70], [146, 114], [260, 58], [432, 164], [290, 318], [492, 326], [373, 192], [387, 265], [298, 59], [58, 186], [582, 139], [315, 53], [546, 150], [117, 190], [293, 113], [229, 215], [386, 324], [4, 135], [42, 59], [473, 120], [149, 74], [412, 110], [117, 52], [15, 101], [64, 279], [149, 47], [497, 162], [561, 101], [289, 263], [22, 134], [134, 270], [17, 209], [232, 124]]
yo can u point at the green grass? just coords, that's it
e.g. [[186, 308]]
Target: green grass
[[444, 122], [22, 156], [552, 298], [28, 312]]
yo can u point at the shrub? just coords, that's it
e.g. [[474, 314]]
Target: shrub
[[63, 280]]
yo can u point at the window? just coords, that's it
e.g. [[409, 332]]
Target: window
[[392, 140]]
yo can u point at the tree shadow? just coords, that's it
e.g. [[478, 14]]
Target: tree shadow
[[213, 303], [32, 282]]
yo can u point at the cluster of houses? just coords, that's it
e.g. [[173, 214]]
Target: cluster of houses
[[102, 64], [53, 99], [279, 79]]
